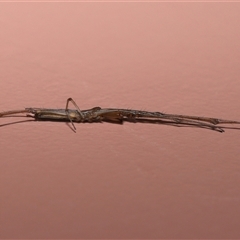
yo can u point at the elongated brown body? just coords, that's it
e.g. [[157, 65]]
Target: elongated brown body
[[116, 115]]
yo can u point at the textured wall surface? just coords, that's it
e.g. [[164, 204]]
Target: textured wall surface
[[120, 181]]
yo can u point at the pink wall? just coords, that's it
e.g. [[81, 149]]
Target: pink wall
[[111, 181]]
